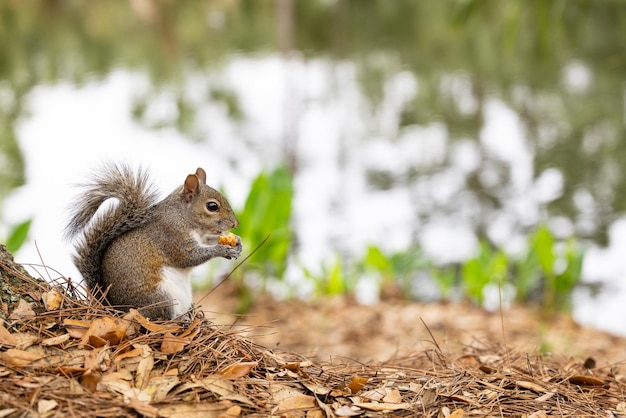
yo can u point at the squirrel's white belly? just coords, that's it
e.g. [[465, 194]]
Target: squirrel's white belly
[[176, 284]]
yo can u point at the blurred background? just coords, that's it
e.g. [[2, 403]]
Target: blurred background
[[435, 151]]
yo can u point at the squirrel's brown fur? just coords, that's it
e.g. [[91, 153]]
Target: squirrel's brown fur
[[139, 251]]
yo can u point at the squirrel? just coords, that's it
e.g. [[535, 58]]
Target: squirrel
[[139, 253]]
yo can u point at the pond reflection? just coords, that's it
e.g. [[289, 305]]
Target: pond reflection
[[430, 123]]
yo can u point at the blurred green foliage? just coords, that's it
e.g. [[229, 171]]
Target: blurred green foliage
[[397, 269], [461, 53], [267, 213], [17, 235], [546, 275], [332, 281], [489, 266], [521, 52]]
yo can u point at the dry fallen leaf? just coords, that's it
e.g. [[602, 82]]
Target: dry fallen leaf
[[192, 410], [217, 385], [531, 386], [172, 344], [59, 339], [159, 386], [134, 397], [75, 327], [90, 381], [393, 396], [348, 411], [468, 361], [22, 310], [6, 338], [135, 352], [192, 330], [46, 405], [105, 329], [143, 370], [546, 396], [379, 407], [316, 388], [237, 370], [357, 384], [587, 381], [232, 412], [19, 358], [375, 394], [52, 299], [457, 414], [151, 326], [429, 396], [298, 402]]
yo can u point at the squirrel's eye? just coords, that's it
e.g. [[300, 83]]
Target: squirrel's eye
[[212, 206]]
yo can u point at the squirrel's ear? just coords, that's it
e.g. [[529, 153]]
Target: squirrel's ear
[[201, 175], [190, 188]]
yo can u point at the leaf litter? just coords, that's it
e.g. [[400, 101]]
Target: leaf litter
[[64, 355]]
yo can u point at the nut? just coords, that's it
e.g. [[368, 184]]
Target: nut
[[228, 239]]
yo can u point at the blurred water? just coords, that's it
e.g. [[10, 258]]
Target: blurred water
[[317, 108]]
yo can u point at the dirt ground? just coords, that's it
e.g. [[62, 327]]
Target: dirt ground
[[339, 327]]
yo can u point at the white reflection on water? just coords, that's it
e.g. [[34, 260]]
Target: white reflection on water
[[317, 108]]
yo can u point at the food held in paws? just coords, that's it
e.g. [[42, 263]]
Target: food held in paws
[[228, 239]]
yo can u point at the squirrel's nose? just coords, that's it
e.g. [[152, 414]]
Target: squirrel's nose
[[235, 223]]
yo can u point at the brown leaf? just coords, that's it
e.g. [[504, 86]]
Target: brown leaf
[[172, 344], [393, 396], [135, 352], [105, 329], [357, 384], [76, 328], [375, 394], [457, 414], [316, 388], [143, 370], [237, 370], [297, 402], [531, 386], [587, 381], [192, 410], [96, 341], [159, 386], [46, 405], [19, 358], [22, 310], [429, 396], [469, 361], [232, 412], [348, 411], [375, 406], [546, 396], [90, 381], [219, 386], [143, 407], [6, 338], [59, 339], [150, 326], [52, 299], [71, 370], [191, 331]]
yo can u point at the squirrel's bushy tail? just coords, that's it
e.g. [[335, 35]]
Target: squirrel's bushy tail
[[134, 195]]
